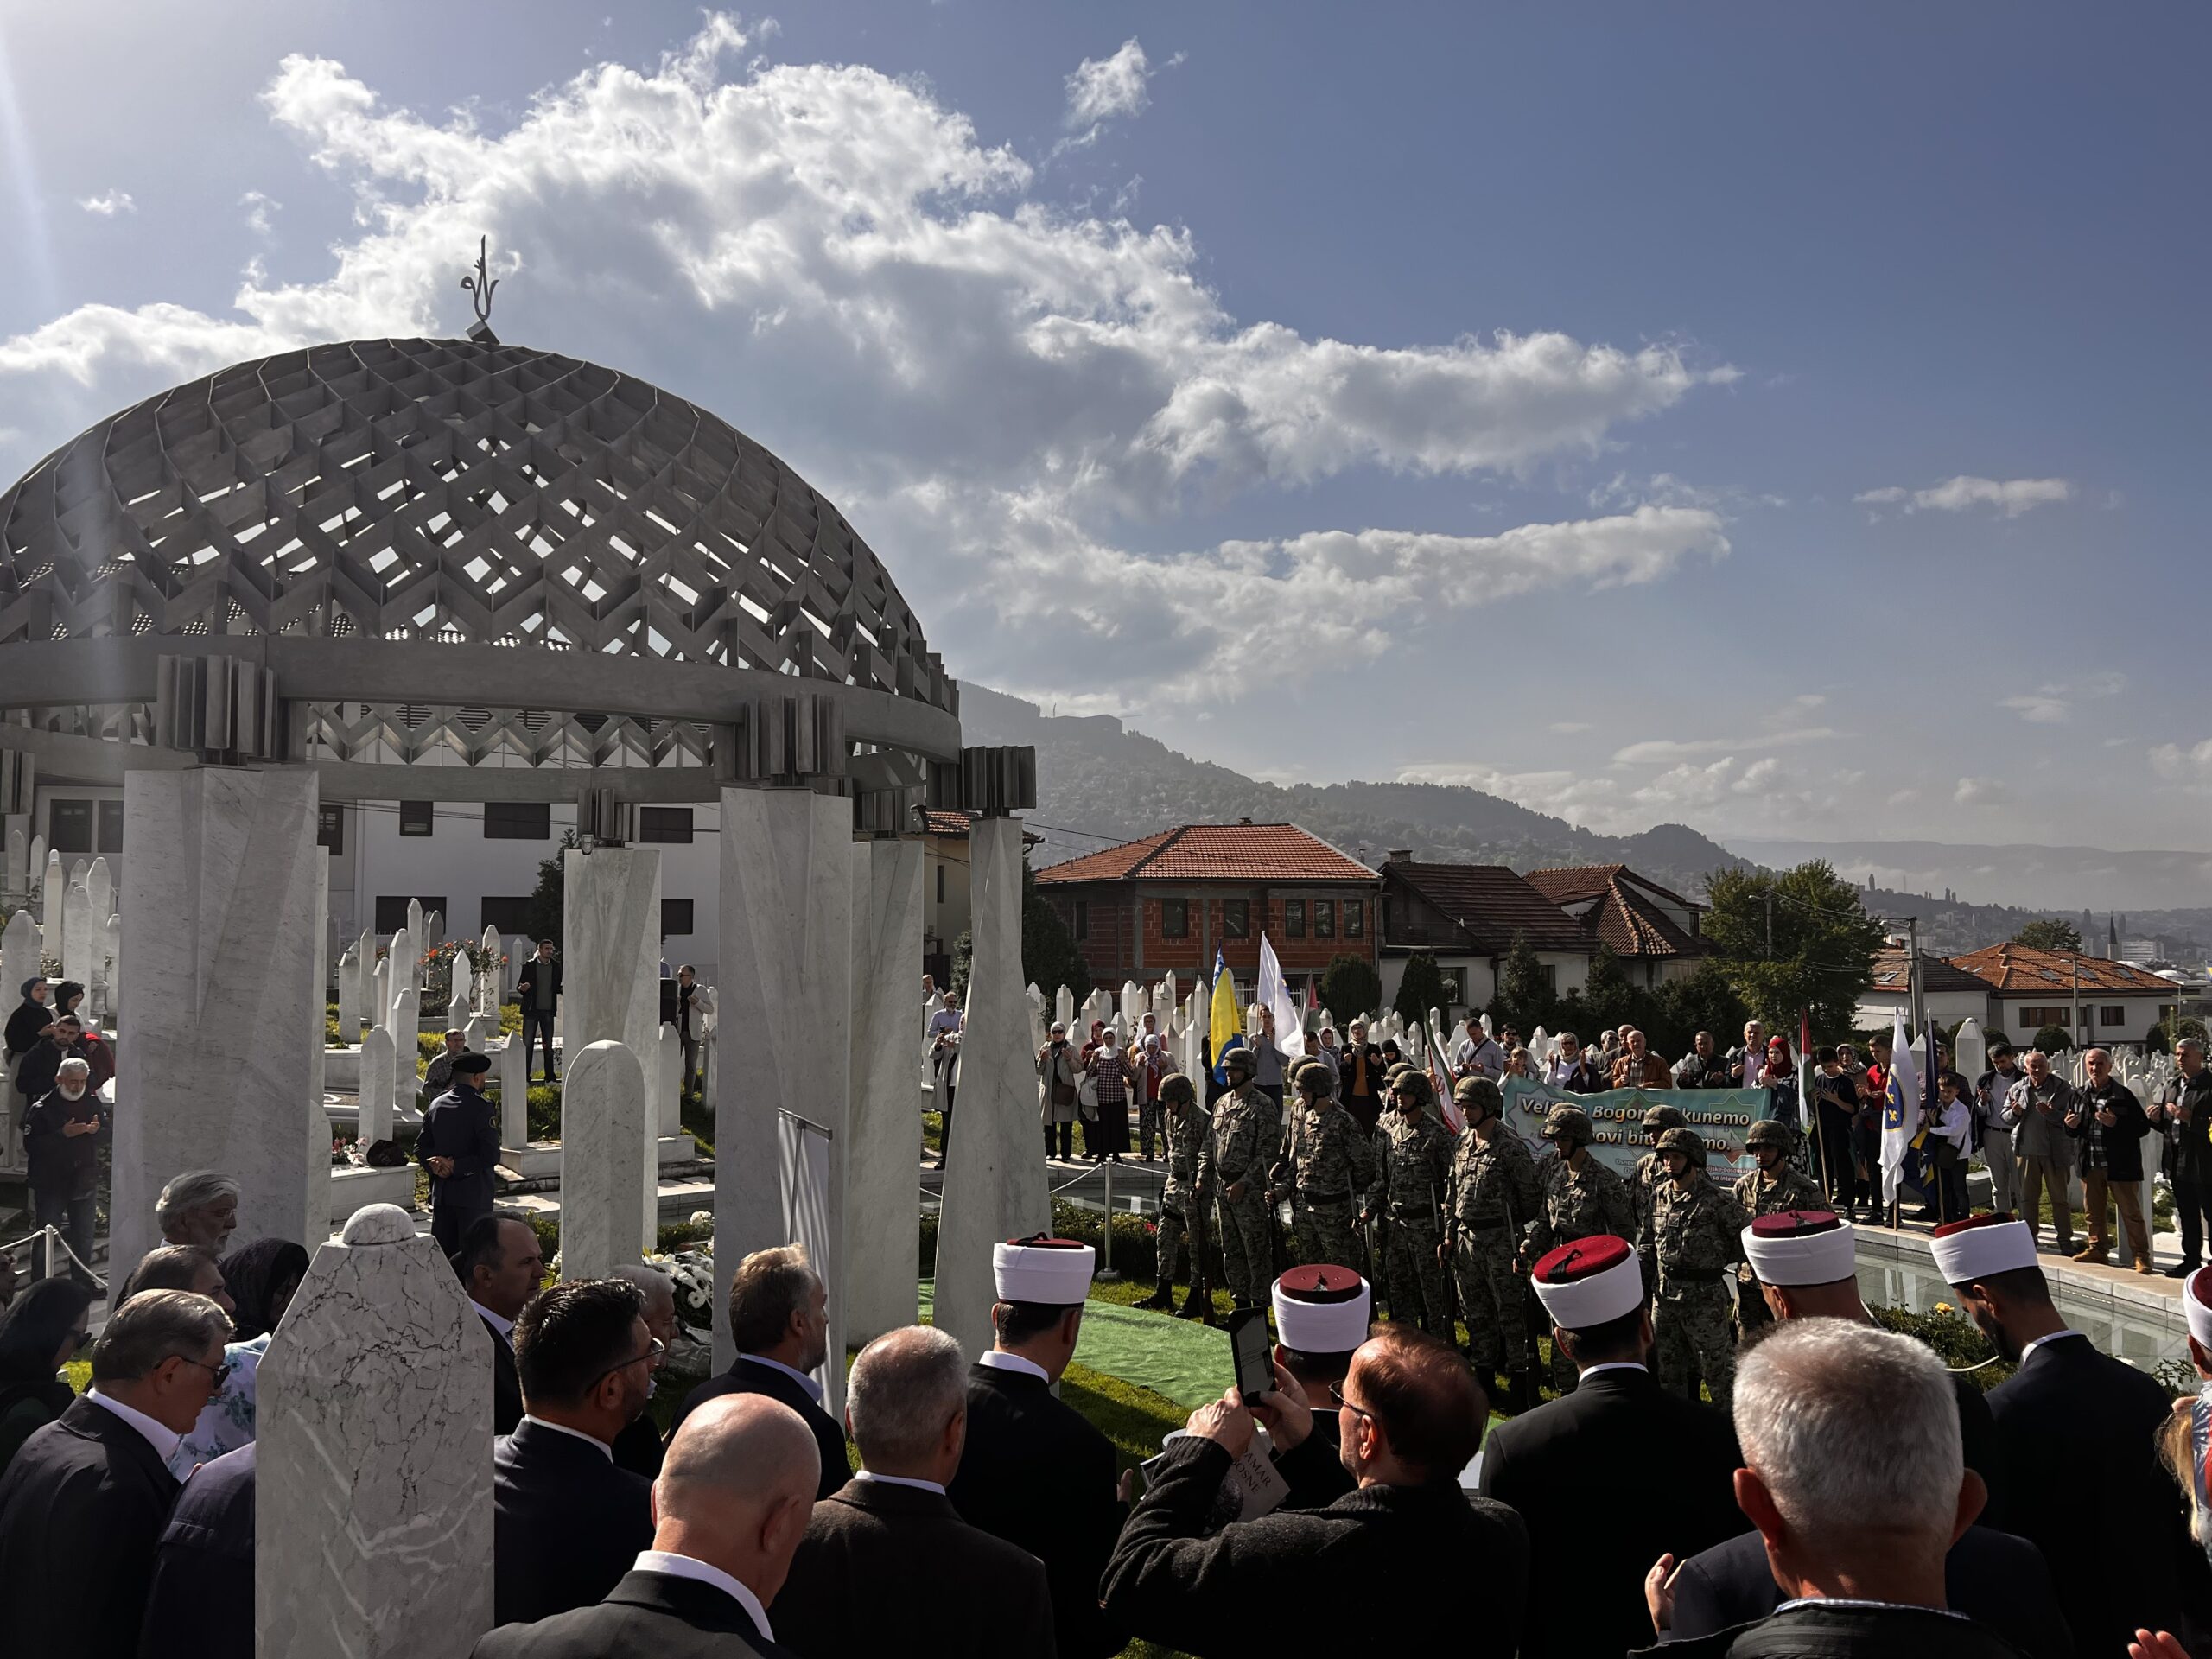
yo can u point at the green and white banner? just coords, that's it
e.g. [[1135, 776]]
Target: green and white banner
[[1722, 1116]]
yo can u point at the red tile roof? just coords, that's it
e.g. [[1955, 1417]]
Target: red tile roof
[[1935, 975], [1566, 883], [1215, 852], [1491, 904], [1629, 923], [2017, 970], [954, 826]]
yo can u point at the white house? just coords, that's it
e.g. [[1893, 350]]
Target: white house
[[1467, 916], [1655, 932], [1953, 993], [2033, 988]]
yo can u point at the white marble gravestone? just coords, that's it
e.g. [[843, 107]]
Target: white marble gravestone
[[18, 953], [100, 883], [668, 1088], [77, 941], [53, 884], [604, 1112], [379, 1009], [514, 1093], [19, 865], [477, 1034], [416, 934], [491, 983], [374, 1473], [349, 996], [884, 1129], [1064, 1009], [610, 974], [113, 934], [995, 1182], [316, 1220], [786, 987], [378, 1088], [462, 1002], [407, 1023]]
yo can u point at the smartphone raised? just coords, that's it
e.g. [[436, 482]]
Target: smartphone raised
[[1251, 1352]]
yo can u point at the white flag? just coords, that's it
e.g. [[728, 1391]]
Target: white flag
[[1900, 1110], [1274, 996]]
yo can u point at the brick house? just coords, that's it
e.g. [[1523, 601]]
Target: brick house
[[1171, 901], [1465, 916], [1656, 933]]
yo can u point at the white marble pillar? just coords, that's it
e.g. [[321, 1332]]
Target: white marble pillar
[[1064, 1009], [462, 1001], [477, 1034], [19, 854], [492, 982], [604, 1116], [77, 941], [379, 1067], [407, 1025], [416, 933], [610, 974], [994, 1184], [884, 1141], [349, 997], [374, 1476], [314, 1219], [379, 1009], [100, 883], [668, 1086], [514, 1093], [786, 982], [114, 935], [18, 953], [219, 919]]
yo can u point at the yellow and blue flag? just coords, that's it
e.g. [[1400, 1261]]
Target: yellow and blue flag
[[1227, 1024]]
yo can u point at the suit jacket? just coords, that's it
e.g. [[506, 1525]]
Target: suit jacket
[[2124, 1141], [875, 1552], [1037, 1475], [526, 982], [203, 1571], [81, 1510], [649, 1616], [461, 1125], [2072, 1409], [1586, 1582], [1405, 1563], [640, 1448], [506, 1386], [748, 1377], [1821, 1630], [1991, 1576], [566, 1523]]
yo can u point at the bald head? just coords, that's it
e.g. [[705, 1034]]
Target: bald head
[[736, 1488]]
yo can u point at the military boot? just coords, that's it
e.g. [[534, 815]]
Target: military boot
[[1162, 1296], [1193, 1307]]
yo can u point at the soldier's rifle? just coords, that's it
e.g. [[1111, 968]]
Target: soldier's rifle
[[1451, 1278]]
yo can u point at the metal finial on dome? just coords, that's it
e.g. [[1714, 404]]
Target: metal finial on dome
[[479, 288]]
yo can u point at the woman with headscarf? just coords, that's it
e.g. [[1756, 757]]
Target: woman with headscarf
[[67, 997], [261, 1277], [46, 1325], [31, 1018]]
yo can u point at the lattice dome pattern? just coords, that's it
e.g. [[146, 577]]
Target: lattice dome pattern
[[452, 491]]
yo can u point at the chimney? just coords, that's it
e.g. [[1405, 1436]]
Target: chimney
[[1245, 820], [1399, 855]]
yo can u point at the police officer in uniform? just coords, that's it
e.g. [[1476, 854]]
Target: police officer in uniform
[[1242, 1140], [1184, 1124], [1776, 1185], [1410, 1177], [1492, 1196], [460, 1146], [1643, 1187], [1327, 1163], [1697, 1235], [1578, 1198]]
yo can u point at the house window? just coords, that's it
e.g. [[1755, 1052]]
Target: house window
[[2036, 1019], [940, 884], [111, 814], [69, 827], [1082, 918], [415, 817], [1293, 918], [1174, 919], [1236, 918], [674, 918], [508, 915], [664, 824], [1355, 918], [1550, 970], [392, 913], [1324, 918], [330, 828], [2111, 1014], [517, 821], [1455, 986]]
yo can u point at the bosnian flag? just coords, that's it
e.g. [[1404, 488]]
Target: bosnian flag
[[1900, 1110], [1275, 997]]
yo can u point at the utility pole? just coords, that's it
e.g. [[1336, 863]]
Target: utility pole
[[1769, 923]]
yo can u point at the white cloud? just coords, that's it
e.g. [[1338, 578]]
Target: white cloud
[[1765, 792], [1658, 750], [109, 203], [2190, 767], [1982, 791], [2053, 704], [2040, 709], [1102, 88], [2010, 497], [258, 209], [1903, 796], [1568, 728]]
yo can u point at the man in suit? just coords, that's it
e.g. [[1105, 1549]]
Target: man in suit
[[779, 1319], [729, 1509], [538, 989], [566, 1523], [1322, 1315], [500, 1263], [1561, 1465], [460, 1146], [1359, 1071], [203, 1573], [2088, 1425], [84, 1500], [890, 1541], [1035, 1473], [637, 1448], [1398, 1563]]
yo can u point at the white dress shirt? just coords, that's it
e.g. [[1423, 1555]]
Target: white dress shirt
[[2055, 1336], [690, 1567], [592, 1441], [1613, 1365], [1000, 1360], [813, 1388], [900, 1480], [163, 1440], [506, 1327]]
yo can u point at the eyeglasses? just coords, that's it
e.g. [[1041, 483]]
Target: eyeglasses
[[1337, 1394], [654, 1349], [219, 1372]]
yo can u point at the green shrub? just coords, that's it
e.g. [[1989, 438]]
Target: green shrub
[[682, 1236], [1958, 1342], [544, 1111], [510, 1019], [1134, 1256]]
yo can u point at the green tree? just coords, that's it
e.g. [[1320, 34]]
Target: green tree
[[2054, 1039], [2048, 933], [1421, 989], [963, 965], [2161, 1039], [1703, 1001], [1607, 997], [1049, 957], [1523, 997], [1796, 940], [544, 914], [1350, 987]]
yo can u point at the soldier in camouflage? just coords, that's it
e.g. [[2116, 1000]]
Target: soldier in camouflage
[[1492, 1196], [1232, 1175], [1697, 1232], [1410, 1175], [1184, 1124], [1327, 1163], [1777, 1184], [1579, 1197], [1643, 1187]]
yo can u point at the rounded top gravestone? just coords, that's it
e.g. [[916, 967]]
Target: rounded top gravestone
[[378, 1223]]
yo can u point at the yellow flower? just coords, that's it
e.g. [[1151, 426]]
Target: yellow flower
[[1945, 1307]]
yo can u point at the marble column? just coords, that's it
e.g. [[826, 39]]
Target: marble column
[[461, 1003], [315, 1220], [77, 940], [1064, 1009], [18, 952], [884, 1142], [603, 1143], [379, 1009], [668, 1086], [379, 1068], [349, 997], [610, 976], [114, 935], [54, 883], [786, 984], [99, 886], [490, 981], [219, 922], [373, 1475], [19, 852], [514, 1093], [994, 1185]]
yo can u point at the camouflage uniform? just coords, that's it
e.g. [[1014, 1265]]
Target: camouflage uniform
[[1410, 1176], [1575, 1204], [1644, 1189], [1756, 1195], [1493, 1196], [1327, 1163], [1185, 1131], [1697, 1235], [1239, 1145]]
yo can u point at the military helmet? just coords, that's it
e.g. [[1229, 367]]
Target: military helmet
[[1687, 1141], [1469, 1091], [1242, 1057], [1569, 1124], [1767, 1133], [1175, 1086], [1414, 1083], [1316, 1078], [1665, 1117]]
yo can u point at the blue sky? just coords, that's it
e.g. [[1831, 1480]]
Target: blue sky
[[1788, 424]]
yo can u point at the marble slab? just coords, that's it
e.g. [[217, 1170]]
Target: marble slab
[[514, 1093], [667, 1082], [884, 1142], [604, 1173], [53, 884], [377, 1089], [349, 995], [18, 954], [315, 1218], [78, 942], [610, 968]]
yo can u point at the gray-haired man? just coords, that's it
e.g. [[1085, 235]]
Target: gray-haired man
[[62, 1137], [2181, 1113]]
